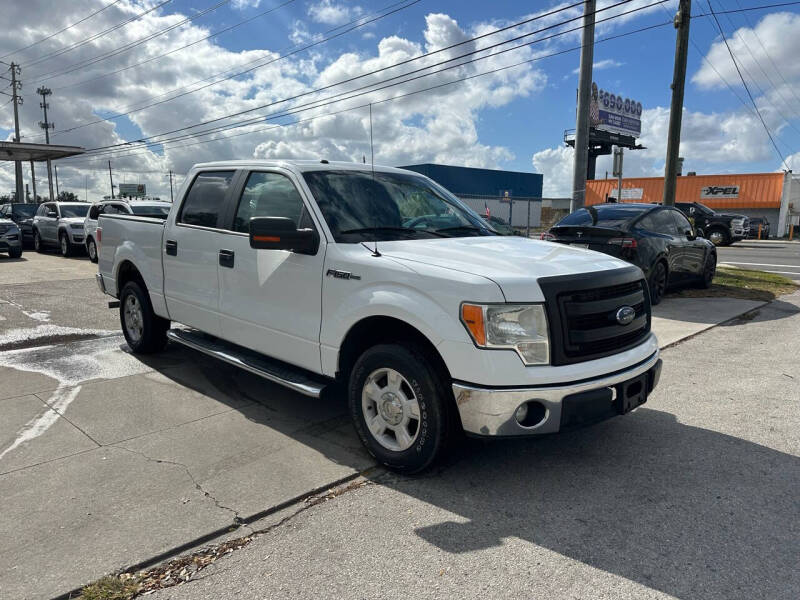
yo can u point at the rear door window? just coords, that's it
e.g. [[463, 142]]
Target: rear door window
[[205, 200], [681, 222]]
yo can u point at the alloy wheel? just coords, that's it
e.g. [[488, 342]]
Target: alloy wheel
[[391, 409], [134, 318]]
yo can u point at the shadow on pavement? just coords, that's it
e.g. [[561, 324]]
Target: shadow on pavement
[[684, 510]]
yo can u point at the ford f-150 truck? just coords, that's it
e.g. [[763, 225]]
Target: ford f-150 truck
[[312, 273]]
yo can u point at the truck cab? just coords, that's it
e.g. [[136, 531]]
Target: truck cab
[[309, 273]]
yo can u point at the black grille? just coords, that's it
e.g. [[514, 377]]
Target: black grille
[[582, 313]]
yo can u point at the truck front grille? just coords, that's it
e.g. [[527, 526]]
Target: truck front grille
[[582, 311]]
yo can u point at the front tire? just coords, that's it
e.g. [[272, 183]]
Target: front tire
[[144, 330], [399, 405], [37, 242], [15, 252], [658, 283], [91, 250], [709, 270], [64, 245], [719, 237]]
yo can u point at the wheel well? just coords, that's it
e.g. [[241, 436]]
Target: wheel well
[[380, 329], [128, 272]]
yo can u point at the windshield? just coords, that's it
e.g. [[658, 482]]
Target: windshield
[[159, 212], [362, 206], [606, 216], [24, 210], [70, 211]]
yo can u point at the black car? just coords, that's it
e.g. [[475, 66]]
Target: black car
[[754, 223], [722, 229], [657, 239], [22, 215]]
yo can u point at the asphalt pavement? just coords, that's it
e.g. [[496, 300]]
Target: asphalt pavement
[[108, 459], [692, 496], [773, 256]]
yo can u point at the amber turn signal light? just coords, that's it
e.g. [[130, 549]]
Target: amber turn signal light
[[472, 317]]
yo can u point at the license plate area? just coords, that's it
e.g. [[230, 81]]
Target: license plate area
[[632, 393], [580, 245]]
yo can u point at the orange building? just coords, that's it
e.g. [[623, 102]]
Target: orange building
[[773, 196]]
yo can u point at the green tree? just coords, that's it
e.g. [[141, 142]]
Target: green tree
[[67, 197]]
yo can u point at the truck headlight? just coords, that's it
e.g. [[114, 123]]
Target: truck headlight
[[521, 327]]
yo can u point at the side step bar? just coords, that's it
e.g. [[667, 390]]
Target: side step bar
[[278, 372]]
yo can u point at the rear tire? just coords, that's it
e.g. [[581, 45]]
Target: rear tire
[[64, 245], [658, 283], [144, 330], [400, 406], [91, 250]]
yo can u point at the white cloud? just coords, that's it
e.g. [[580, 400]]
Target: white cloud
[[439, 125], [330, 12], [241, 4], [606, 63]]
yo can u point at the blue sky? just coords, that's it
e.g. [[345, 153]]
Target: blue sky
[[518, 125]]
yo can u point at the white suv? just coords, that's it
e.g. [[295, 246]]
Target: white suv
[[142, 208], [59, 224]]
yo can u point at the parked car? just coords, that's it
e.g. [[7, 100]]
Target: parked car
[[754, 223], [10, 238], [143, 208], [22, 215], [723, 229], [304, 273], [659, 240], [499, 225], [61, 224]]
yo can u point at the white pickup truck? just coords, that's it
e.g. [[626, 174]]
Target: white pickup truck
[[309, 273]]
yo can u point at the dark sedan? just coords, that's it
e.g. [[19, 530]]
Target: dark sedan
[[22, 215], [658, 240]]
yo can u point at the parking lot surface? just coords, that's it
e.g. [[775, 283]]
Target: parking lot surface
[[107, 460], [774, 256]]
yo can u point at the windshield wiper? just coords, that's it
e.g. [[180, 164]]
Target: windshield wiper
[[460, 228], [405, 230]]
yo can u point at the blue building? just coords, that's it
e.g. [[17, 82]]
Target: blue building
[[467, 181]]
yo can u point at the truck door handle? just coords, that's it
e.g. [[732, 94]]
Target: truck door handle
[[172, 248], [226, 258]]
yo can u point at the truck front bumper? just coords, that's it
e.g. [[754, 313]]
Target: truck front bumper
[[552, 408]]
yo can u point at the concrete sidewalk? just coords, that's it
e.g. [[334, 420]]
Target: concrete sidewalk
[[107, 460]]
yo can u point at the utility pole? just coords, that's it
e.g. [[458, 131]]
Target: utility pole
[[584, 98], [682, 20], [617, 171], [57, 192], [33, 182], [111, 178], [16, 101], [170, 186], [47, 126]]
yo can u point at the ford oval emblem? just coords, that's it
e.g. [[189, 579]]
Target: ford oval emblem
[[625, 315]]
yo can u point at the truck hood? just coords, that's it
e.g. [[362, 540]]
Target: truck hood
[[514, 263]]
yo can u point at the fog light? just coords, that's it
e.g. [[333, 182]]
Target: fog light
[[531, 413]]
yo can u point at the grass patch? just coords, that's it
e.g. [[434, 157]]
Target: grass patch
[[743, 283], [111, 588]]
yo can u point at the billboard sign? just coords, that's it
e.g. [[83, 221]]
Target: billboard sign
[[628, 193], [720, 191], [132, 190], [615, 113]]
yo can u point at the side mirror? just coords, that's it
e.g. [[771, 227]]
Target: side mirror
[[690, 234], [52, 214], [280, 233]]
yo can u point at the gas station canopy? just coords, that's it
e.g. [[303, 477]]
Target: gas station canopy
[[36, 152]]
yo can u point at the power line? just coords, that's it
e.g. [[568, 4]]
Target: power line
[[391, 99], [97, 35], [316, 104], [52, 35], [125, 47], [406, 61], [174, 50], [747, 89], [292, 50]]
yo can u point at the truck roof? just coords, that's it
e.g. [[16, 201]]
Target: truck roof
[[300, 165]]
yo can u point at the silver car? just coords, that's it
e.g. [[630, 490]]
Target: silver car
[[10, 238], [143, 208], [60, 224]]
